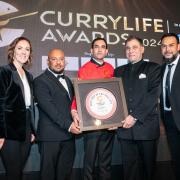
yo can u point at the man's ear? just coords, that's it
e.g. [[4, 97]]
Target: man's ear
[[142, 49], [48, 62], [91, 51], [179, 47], [107, 51]]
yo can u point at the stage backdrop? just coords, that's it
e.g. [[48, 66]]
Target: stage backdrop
[[72, 24]]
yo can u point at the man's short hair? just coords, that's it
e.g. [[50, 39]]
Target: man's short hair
[[170, 35]]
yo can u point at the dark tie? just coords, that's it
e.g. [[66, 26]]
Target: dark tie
[[60, 76], [167, 86]]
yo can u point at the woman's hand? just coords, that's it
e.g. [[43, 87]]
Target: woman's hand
[[32, 138], [1, 142]]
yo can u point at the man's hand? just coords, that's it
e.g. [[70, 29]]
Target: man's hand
[[75, 117], [74, 128], [128, 122], [1, 142]]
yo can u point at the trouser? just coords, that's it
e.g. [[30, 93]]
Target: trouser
[[138, 157], [56, 159], [98, 146], [14, 153], [173, 137]]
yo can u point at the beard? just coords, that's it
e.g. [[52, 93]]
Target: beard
[[170, 60], [56, 72]]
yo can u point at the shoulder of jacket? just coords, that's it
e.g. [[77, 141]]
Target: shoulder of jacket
[[40, 77], [68, 78], [152, 64], [120, 67], [5, 69]]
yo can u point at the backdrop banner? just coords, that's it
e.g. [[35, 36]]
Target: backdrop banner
[[72, 25]]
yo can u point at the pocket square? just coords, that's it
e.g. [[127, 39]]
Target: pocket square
[[142, 76]]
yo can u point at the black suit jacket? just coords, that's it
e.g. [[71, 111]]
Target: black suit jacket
[[142, 88], [12, 104], [175, 95], [54, 106]]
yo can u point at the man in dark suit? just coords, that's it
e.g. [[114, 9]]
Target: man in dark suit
[[140, 131], [170, 97], [54, 93]]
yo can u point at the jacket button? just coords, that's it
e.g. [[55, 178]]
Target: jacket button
[[130, 111]]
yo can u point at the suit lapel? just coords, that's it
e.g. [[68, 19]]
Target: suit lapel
[[18, 81], [163, 67], [176, 77], [29, 78], [17, 78], [69, 84], [56, 81]]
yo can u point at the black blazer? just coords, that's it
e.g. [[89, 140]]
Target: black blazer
[[175, 95], [142, 88], [54, 106], [12, 104]]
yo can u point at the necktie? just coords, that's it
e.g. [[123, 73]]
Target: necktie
[[60, 76], [167, 86]]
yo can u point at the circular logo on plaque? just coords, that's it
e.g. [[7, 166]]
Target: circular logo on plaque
[[101, 103]]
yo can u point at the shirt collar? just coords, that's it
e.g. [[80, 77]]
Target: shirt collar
[[95, 61], [175, 61], [54, 73]]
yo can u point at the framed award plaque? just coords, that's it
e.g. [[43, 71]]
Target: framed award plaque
[[101, 103]]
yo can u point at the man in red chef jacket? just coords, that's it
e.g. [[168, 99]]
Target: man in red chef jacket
[[99, 143]]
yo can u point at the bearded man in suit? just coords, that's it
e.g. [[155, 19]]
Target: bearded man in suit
[[54, 93], [170, 98]]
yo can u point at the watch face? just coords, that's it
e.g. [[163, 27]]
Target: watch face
[[100, 104]]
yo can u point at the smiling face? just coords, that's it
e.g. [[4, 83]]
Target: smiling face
[[21, 52], [134, 51], [56, 61], [99, 50]]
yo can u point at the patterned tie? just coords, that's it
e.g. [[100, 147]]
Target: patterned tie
[[167, 87]]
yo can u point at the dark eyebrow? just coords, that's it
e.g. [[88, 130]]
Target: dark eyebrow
[[99, 45], [168, 44]]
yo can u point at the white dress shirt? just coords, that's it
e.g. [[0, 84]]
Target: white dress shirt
[[174, 63], [27, 91], [61, 80]]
